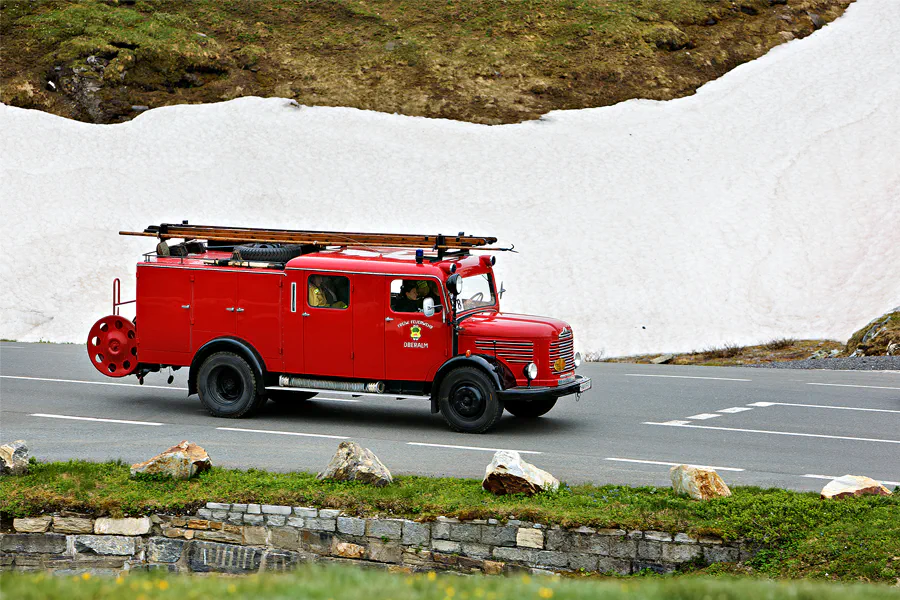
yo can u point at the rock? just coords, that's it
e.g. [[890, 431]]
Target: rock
[[352, 462], [817, 21], [509, 474], [14, 458], [182, 461], [127, 526], [787, 36], [72, 525], [667, 37], [32, 525], [853, 485], [661, 360], [699, 484]]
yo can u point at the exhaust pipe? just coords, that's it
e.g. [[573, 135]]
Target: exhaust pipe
[[334, 386]]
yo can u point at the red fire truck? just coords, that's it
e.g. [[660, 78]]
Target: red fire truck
[[260, 314]]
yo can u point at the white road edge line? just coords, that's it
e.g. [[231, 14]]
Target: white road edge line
[[882, 410], [317, 435], [883, 482], [469, 448], [672, 464], [49, 416], [812, 435], [874, 387], [134, 385], [685, 377]]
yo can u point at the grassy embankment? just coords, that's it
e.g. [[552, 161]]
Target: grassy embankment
[[482, 61], [346, 583], [857, 539]]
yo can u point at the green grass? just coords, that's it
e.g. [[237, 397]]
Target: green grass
[[350, 583], [851, 539]]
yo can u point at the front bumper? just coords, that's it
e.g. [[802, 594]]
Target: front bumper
[[527, 394]]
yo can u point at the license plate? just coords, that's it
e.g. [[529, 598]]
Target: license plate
[[585, 385]]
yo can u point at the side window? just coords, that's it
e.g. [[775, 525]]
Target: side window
[[328, 291], [408, 295]]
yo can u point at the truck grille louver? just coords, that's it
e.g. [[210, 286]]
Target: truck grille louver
[[512, 351], [563, 348]]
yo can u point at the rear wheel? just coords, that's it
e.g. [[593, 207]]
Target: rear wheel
[[531, 410], [228, 386], [469, 401]]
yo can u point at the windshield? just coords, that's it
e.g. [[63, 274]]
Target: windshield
[[477, 292]]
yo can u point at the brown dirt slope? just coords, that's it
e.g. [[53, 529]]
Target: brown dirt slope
[[483, 61]]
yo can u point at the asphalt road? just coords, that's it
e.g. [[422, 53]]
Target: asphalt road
[[766, 427]]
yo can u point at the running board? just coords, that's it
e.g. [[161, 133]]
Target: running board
[[352, 394]]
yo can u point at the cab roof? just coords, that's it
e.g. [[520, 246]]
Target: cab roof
[[388, 261]]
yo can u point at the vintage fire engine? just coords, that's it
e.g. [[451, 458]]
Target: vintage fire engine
[[259, 314]]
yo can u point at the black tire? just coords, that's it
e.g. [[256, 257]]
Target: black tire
[[285, 397], [268, 252], [468, 401], [531, 410], [228, 387]]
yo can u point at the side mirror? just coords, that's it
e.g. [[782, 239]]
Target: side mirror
[[502, 289], [428, 307]]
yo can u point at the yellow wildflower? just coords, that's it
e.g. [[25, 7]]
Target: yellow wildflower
[[120, 580], [162, 584], [450, 592], [545, 593], [232, 588], [526, 579], [85, 576], [431, 575]]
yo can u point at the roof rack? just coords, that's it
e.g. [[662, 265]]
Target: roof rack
[[440, 243]]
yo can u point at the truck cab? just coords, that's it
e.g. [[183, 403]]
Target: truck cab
[[287, 321]]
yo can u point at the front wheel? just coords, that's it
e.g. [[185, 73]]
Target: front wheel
[[469, 401], [228, 386], [531, 410]]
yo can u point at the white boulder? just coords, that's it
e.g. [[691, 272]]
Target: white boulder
[[14, 458], [699, 484], [181, 461], [352, 462], [853, 485], [509, 474]]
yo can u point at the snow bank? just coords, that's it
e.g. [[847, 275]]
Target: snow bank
[[765, 205]]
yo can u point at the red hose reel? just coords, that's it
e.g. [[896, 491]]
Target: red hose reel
[[112, 346]]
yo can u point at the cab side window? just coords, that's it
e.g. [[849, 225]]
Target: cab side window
[[408, 295], [328, 291]]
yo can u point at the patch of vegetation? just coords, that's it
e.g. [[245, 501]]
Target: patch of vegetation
[[877, 338], [349, 582], [732, 355], [847, 539], [475, 60]]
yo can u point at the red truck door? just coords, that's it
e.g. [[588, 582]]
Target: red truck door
[[214, 306], [258, 311], [368, 327], [414, 346], [328, 305], [164, 315], [292, 310]]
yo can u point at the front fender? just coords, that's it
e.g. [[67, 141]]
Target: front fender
[[493, 368]]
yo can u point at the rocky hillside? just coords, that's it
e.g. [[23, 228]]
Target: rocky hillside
[[483, 61]]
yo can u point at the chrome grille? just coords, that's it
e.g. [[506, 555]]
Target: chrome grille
[[512, 351], [563, 348]]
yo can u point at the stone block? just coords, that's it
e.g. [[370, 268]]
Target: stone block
[[206, 557], [579, 561], [660, 568], [329, 513], [198, 524], [529, 538], [446, 546], [465, 532], [128, 526], [683, 538], [520, 555], [557, 539], [306, 512], [318, 542], [351, 526], [634, 535], [549, 558], [622, 548], [606, 564], [177, 532], [716, 553], [647, 550], [584, 529], [119, 545], [204, 513], [389, 552], [391, 529], [47, 543], [440, 531], [219, 515], [298, 522], [680, 553], [711, 539], [254, 535], [227, 537], [269, 509], [72, 525], [282, 560], [467, 563], [611, 532], [254, 509], [218, 506], [251, 519], [416, 534], [348, 550], [239, 508], [498, 536], [285, 537], [276, 520], [476, 550], [492, 567], [236, 518], [165, 550], [449, 560], [320, 524], [415, 556], [657, 536], [32, 525]]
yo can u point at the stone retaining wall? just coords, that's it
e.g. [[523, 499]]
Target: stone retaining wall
[[247, 538]]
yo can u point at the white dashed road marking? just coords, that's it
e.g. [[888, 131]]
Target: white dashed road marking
[[790, 433], [734, 409], [704, 416], [272, 431], [880, 410], [671, 464], [48, 416], [468, 448], [686, 377], [134, 385], [873, 387]]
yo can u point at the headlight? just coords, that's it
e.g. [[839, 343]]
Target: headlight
[[577, 359], [530, 371]]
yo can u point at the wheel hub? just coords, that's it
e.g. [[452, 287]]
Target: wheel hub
[[468, 401]]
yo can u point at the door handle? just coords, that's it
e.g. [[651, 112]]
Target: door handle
[[185, 306], [240, 310], [230, 309], [304, 314], [388, 319]]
